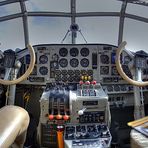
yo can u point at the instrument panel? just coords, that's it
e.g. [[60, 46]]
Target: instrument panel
[[66, 63]]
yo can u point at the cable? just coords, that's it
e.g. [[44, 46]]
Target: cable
[[82, 36], [65, 36]]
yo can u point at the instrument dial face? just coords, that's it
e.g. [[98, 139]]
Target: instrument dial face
[[84, 62], [104, 59], [127, 59], [74, 52], [63, 62], [43, 59], [43, 70], [104, 70], [74, 62], [63, 52], [84, 52]]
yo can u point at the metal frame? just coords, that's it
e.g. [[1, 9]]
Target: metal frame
[[73, 15]]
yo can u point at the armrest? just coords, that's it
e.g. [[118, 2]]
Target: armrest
[[14, 122]]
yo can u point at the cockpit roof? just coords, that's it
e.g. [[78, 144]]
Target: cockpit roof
[[49, 21]]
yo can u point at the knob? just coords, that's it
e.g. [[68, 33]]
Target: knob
[[85, 78], [66, 117], [81, 82], [51, 117], [87, 82], [81, 112], [82, 77], [58, 117], [94, 82], [89, 78]]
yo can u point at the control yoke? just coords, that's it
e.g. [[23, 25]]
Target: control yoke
[[26, 74], [120, 70]]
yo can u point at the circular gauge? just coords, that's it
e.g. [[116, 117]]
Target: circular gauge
[[70, 72], [43, 59], [83, 72], [63, 52], [116, 87], [84, 62], [104, 70], [90, 72], [63, 62], [84, 52], [104, 59], [64, 78], [109, 88], [64, 72], [127, 59], [74, 52], [43, 70], [58, 72], [74, 62], [77, 72]]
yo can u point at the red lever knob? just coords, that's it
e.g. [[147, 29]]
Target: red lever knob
[[94, 82], [51, 117], [81, 82], [66, 117], [87, 82], [58, 116]]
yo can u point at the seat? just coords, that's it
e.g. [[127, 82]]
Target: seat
[[14, 122]]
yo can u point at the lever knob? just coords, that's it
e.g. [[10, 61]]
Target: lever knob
[[58, 116], [51, 117], [65, 117], [81, 112]]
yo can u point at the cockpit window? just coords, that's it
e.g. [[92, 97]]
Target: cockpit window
[[98, 5], [136, 34], [45, 30], [98, 30], [9, 9], [12, 34], [48, 5]]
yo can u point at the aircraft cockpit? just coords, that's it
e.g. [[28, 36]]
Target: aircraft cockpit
[[82, 90]]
